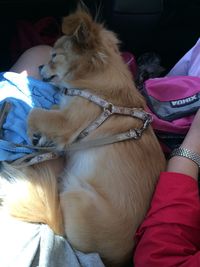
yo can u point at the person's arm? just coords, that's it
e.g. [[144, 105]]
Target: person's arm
[[170, 233], [191, 142]]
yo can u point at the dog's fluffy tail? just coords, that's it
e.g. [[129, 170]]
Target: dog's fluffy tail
[[32, 195]]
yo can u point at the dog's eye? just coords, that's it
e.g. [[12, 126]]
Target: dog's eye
[[53, 57]]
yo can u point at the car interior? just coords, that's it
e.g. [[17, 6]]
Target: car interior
[[167, 27]]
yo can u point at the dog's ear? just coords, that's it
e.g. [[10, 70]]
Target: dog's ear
[[82, 29], [81, 34]]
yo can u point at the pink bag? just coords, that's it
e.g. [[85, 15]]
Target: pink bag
[[172, 101]]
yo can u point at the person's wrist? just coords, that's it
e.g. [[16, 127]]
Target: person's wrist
[[184, 160], [187, 153]]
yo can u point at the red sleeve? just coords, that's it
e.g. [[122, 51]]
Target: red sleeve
[[170, 233]]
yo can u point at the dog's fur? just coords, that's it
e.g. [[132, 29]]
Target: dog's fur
[[105, 191]]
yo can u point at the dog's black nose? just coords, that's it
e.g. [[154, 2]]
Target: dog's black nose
[[40, 67]]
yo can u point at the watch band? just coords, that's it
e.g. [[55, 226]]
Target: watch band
[[184, 152]]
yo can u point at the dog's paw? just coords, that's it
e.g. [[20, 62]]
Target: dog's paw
[[41, 140], [35, 139], [33, 126], [36, 126], [45, 129]]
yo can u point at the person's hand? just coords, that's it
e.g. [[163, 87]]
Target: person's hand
[[191, 142]]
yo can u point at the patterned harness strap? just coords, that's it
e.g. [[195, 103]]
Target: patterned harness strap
[[108, 110], [47, 153]]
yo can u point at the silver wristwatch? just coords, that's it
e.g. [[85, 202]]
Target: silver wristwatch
[[184, 152]]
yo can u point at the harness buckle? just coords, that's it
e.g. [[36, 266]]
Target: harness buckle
[[148, 120], [109, 107]]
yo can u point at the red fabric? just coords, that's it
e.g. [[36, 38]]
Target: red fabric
[[170, 233], [44, 31]]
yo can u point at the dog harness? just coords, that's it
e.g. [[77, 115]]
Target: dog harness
[[49, 152], [108, 110]]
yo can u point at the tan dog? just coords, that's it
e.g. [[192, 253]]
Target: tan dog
[[105, 191]]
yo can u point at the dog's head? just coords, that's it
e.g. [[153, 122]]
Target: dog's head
[[85, 48]]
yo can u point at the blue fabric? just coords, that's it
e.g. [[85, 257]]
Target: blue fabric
[[24, 93]]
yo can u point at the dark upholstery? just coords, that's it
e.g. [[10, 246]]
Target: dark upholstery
[[168, 27]]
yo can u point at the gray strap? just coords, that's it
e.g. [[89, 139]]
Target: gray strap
[[47, 153], [109, 109], [87, 95], [43, 156]]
